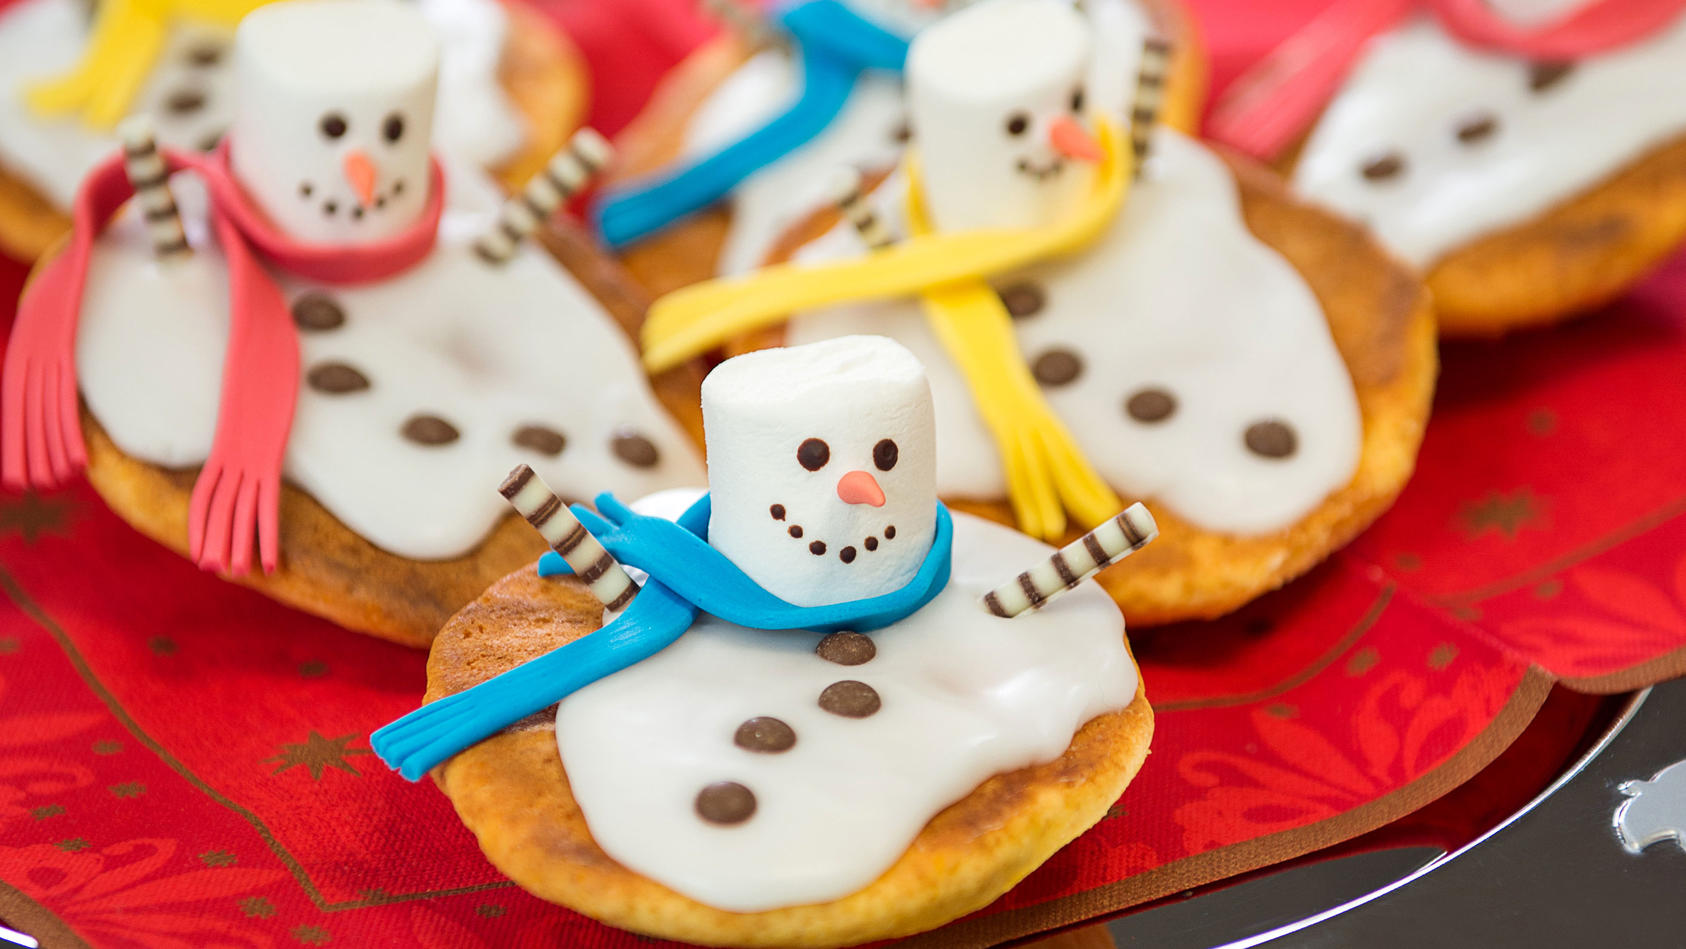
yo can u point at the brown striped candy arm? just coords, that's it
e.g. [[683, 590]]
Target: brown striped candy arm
[[1072, 564], [849, 193], [1149, 98], [147, 175], [598, 569], [567, 173]]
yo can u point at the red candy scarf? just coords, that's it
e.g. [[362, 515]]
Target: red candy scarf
[[238, 493], [1276, 101]]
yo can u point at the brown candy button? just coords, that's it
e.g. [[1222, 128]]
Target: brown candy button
[[872, 543], [765, 734], [1151, 405], [796, 530], [1057, 367], [430, 430], [817, 548], [1271, 439], [777, 511], [1477, 129], [317, 311], [183, 101], [1542, 76], [726, 802], [1023, 299], [847, 555], [634, 449], [1385, 167], [850, 699], [846, 649], [539, 438], [336, 378], [890, 532]]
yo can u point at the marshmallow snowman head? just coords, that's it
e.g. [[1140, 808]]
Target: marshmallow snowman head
[[997, 106], [822, 467], [334, 116]]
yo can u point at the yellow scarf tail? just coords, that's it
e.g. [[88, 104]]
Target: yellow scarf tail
[[947, 272]]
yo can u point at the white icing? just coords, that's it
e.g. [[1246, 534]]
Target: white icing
[[1179, 295], [1414, 88], [40, 38], [489, 349], [864, 135], [851, 394], [965, 696]]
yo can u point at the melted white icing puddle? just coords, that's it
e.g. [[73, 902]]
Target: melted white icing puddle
[[475, 121], [865, 134], [965, 696], [1178, 296], [488, 349], [1416, 87]]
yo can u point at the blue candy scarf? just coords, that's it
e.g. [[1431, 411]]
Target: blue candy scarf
[[686, 576], [834, 46]]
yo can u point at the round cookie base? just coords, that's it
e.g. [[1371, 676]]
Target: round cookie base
[[1578, 256], [541, 71], [329, 570], [513, 793], [1383, 324], [688, 252]]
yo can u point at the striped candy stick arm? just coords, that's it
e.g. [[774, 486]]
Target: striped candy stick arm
[[597, 568], [849, 194], [1149, 98], [750, 26], [151, 181], [1074, 563], [569, 171]]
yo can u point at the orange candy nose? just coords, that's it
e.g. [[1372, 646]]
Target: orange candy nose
[[1072, 140], [360, 174], [859, 487]]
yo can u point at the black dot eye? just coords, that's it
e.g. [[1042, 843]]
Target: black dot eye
[[884, 454], [1017, 123], [813, 454], [332, 125], [393, 127], [1077, 99]]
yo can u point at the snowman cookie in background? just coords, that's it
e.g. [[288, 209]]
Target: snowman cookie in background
[[299, 365], [879, 720], [1257, 369], [730, 87], [511, 89], [1519, 153]]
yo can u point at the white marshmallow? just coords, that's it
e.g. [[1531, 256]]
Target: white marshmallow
[[334, 116], [985, 89], [856, 395]]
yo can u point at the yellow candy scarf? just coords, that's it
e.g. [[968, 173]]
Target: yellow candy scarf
[[121, 51], [1046, 473]]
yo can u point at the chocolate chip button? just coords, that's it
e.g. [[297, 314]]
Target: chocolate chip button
[[1057, 367], [634, 449], [183, 101], [1023, 299], [777, 511], [847, 555], [850, 699], [1543, 76], [336, 378], [1151, 405], [725, 802], [204, 54], [872, 543], [430, 430], [846, 649], [1385, 167], [1271, 439], [765, 734], [890, 532], [796, 530], [539, 438], [1477, 129], [316, 311], [817, 548]]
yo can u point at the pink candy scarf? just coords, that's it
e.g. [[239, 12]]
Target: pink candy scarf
[[1275, 102], [238, 492]]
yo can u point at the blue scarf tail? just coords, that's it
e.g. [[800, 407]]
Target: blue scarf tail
[[835, 45], [685, 575]]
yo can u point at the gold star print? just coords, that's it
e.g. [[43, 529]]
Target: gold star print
[[31, 516], [318, 754], [1497, 511]]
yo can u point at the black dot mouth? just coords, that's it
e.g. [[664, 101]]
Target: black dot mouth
[[1041, 172], [331, 207], [819, 548]]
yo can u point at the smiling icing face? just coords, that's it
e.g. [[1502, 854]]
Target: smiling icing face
[[822, 467], [996, 100], [334, 116]]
